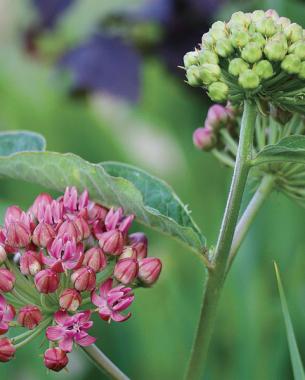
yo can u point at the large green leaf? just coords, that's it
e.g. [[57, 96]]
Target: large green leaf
[[20, 141], [289, 149], [297, 366], [150, 199]]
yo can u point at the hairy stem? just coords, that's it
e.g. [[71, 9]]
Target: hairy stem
[[216, 277], [103, 363], [248, 216]]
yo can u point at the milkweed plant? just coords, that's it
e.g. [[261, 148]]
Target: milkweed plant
[[66, 258]]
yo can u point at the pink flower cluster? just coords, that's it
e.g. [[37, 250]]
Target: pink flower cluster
[[61, 261]]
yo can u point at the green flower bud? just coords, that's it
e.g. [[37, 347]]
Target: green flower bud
[[193, 76], [266, 26], [302, 71], [237, 66], [239, 38], [294, 32], [218, 30], [208, 56], [190, 59], [224, 47], [240, 18], [207, 40], [291, 64], [258, 15], [284, 22], [263, 69], [209, 73], [252, 52], [275, 50], [298, 48], [218, 92], [259, 39], [249, 80]]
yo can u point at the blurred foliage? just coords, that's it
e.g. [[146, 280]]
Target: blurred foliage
[[249, 341]]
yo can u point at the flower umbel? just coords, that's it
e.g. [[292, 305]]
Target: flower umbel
[[53, 259]]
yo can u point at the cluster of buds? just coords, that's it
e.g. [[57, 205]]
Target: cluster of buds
[[251, 55], [219, 118], [61, 261]]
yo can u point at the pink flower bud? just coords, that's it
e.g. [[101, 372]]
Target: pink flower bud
[[30, 263], [3, 255], [113, 218], [17, 235], [149, 270], [217, 116], [83, 227], [128, 253], [55, 359], [95, 259], [84, 279], [126, 224], [126, 270], [112, 242], [29, 316], [46, 281], [12, 214], [204, 138], [139, 243], [69, 228], [7, 350], [96, 212], [7, 280], [43, 234], [70, 299], [41, 202]]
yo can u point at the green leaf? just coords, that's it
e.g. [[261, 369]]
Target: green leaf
[[150, 199], [20, 141], [289, 149], [297, 366]]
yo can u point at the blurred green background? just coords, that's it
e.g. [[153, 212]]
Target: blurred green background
[[154, 133]]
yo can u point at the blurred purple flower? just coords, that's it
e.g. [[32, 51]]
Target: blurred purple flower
[[50, 10], [104, 63]]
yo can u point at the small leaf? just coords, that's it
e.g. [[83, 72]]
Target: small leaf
[[150, 199], [297, 366], [20, 141], [289, 149]]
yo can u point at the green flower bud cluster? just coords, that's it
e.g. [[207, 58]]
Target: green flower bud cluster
[[252, 55]]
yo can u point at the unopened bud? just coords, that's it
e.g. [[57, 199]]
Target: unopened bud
[[29, 316], [263, 69], [275, 50], [149, 270], [208, 56], [55, 359], [266, 26], [249, 80], [112, 242], [3, 254], [18, 235], [298, 48], [139, 243], [7, 350], [95, 259], [259, 39], [7, 280], [30, 263], [43, 234], [218, 92], [204, 138], [291, 64], [126, 270], [46, 281], [84, 279], [237, 66], [209, 73], [70, 299], [251, 52], [190, 58], [224, 47], [294, 32], [128, 253], [239, 38], [193, 76]]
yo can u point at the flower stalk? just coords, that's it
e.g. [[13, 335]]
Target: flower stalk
[[216, 277]]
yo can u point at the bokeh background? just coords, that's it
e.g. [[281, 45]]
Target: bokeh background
[[99, 78]]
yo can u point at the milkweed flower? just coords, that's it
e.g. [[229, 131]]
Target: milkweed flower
[[61, 261]]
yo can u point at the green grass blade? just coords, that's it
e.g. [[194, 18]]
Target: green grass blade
[[297, 365]]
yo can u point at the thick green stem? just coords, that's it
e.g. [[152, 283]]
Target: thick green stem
[[248, 216], [103, 363], [216, 276]]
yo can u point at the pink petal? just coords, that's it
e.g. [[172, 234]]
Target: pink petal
[[2, 302], [97, 300], [123, 304], [106, 287], [117, 317], [55, 332], [66, 344], [61, 317], [84, 316], [83, 339]]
